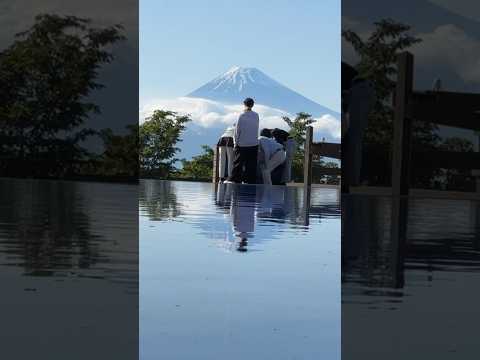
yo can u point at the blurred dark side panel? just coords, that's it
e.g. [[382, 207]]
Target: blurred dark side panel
[[68, 179], [411, 179]]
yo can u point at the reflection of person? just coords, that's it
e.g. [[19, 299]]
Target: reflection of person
[[225, 153], [242, 245], [243, 214], [246, 146], [223, 195], [272, 155]]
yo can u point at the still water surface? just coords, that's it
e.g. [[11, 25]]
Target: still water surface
[[68, 270], [233, 273], [412, 294]]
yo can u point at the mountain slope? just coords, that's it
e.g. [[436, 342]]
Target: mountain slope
[[238, 83]]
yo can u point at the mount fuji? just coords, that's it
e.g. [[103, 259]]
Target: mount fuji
[[240, 82], [217, 104]]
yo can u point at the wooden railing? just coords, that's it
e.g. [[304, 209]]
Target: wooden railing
[[461, 110], [325, 149], [215, 176]]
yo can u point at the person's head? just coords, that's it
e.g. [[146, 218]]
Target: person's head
[[248, 102], [266, 132]]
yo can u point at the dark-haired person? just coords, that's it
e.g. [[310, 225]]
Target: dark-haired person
[[272, 154], [246, 146]]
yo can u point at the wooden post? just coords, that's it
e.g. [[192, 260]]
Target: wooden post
[[215, 165], [402, 126], [307, 171]]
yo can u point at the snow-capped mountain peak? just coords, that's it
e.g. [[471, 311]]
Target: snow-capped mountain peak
[[233, 86], [238, 78]]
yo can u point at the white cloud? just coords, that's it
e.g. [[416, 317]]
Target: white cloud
[[328, 124], [212, 114], [454, 48]]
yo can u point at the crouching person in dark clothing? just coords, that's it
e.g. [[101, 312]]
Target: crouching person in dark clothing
[[246, 146]]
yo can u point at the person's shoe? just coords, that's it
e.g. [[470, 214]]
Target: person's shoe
[[228, 182]]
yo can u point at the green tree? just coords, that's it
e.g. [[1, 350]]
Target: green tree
[[120, 157], [378, 59], [159, 135], [298, 128], [200, 167], [51, 69], [378, 62]]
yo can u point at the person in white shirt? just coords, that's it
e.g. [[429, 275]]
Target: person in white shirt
[[246, 146], [225, 153], [272, 154]]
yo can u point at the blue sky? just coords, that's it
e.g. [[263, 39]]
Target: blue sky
[[184, 44]]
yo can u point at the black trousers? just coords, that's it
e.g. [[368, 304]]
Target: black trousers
[[244, 164]]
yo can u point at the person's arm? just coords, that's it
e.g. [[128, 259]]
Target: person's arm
[[237, 132]]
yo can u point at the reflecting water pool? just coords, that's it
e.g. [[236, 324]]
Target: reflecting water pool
[[410, 278], [234, 272], [69, 270]]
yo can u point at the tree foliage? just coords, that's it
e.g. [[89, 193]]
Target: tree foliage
[[120, 157], [200, 167], [378, 59], [51, 69], [298, 128], [159, 135]]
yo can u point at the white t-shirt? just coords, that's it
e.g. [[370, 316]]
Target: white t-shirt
[[269, 146], [246, 131]]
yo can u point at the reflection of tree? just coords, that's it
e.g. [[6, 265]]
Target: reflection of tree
[[158, 199], [46, 226]]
